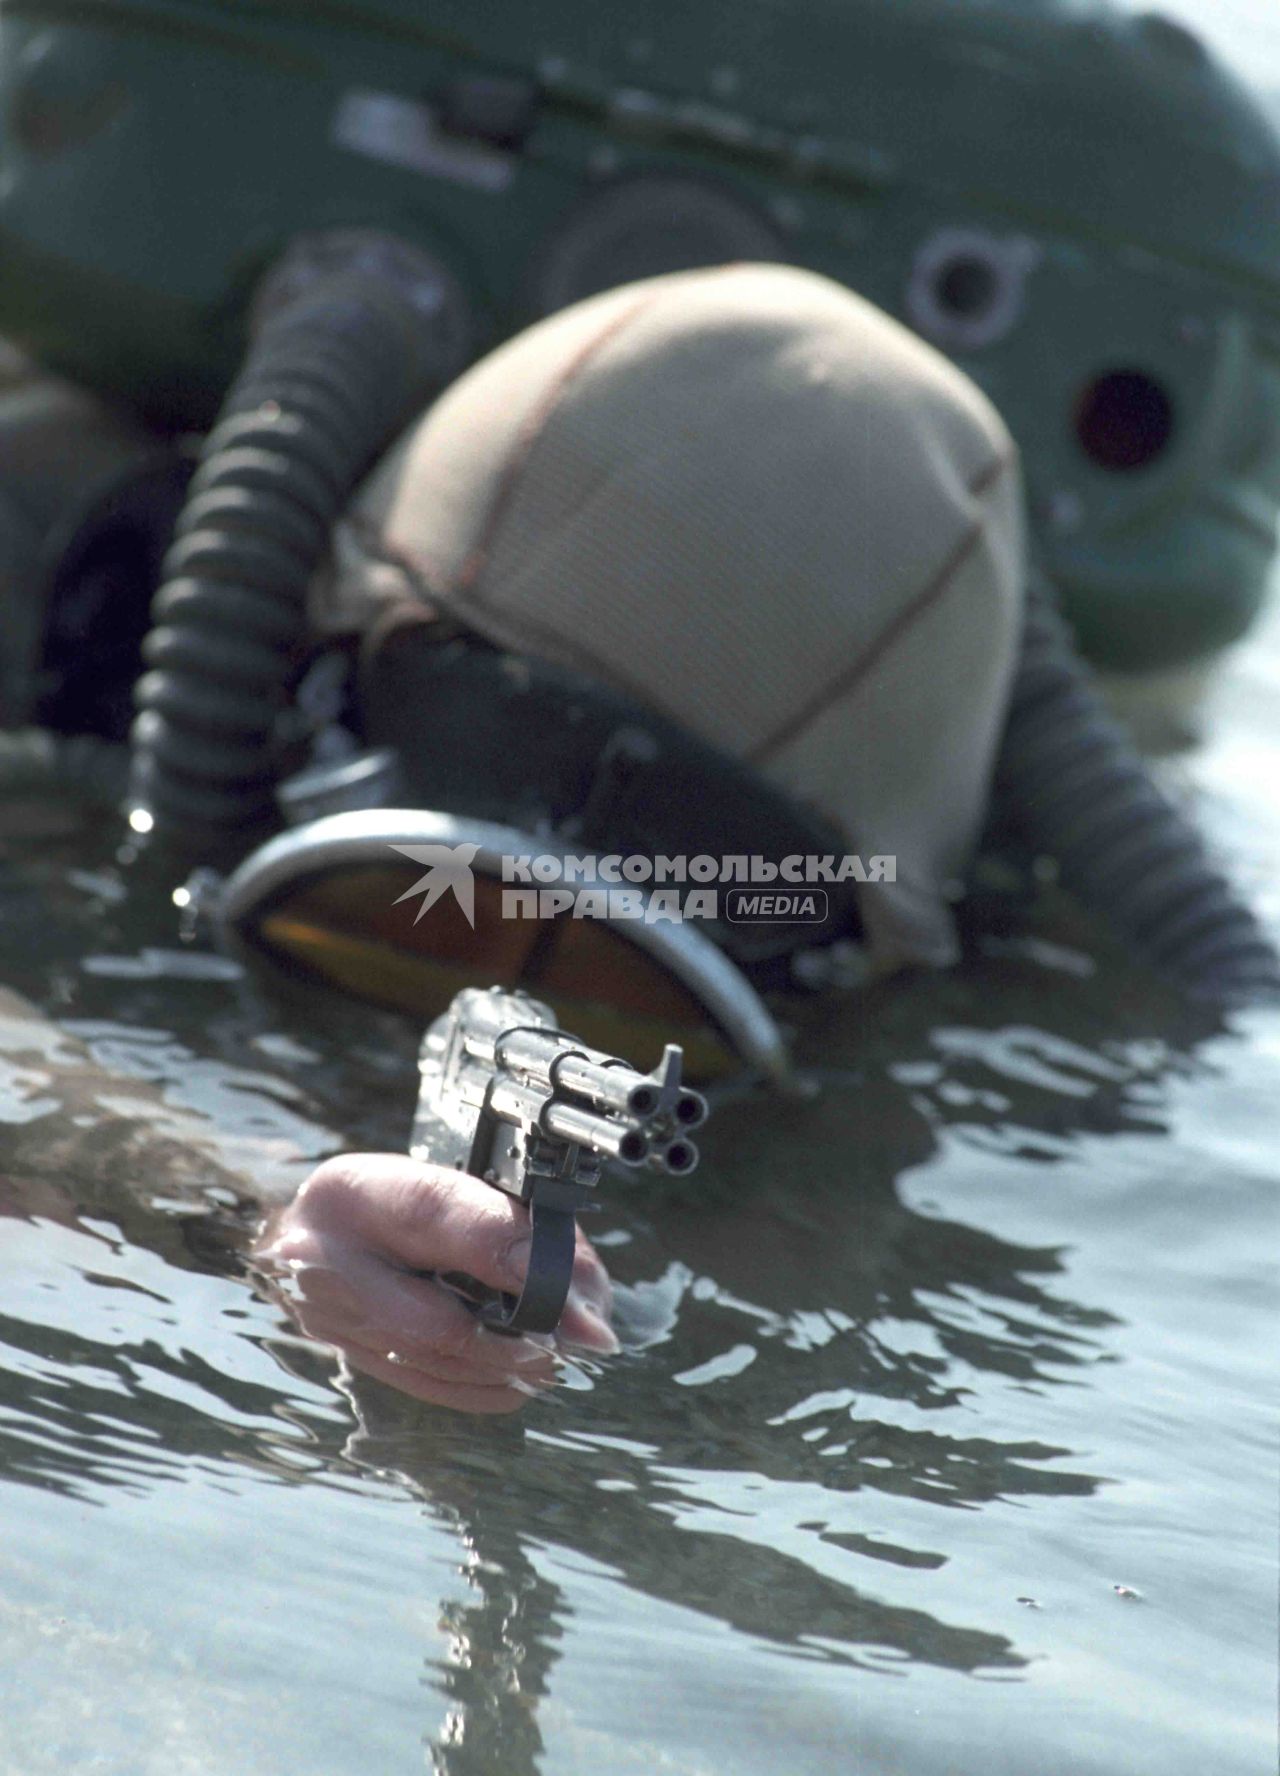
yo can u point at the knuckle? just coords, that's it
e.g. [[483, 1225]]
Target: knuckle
[[423, 1198], [426, 1192], [330, 1183]]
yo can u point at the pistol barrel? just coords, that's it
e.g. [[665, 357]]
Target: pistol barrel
[[619, 1140], [678, 1157], [609, 1084], [626, 1115], [570, 1122], [620, 1088], [691, 1108]]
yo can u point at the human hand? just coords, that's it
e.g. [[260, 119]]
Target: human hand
[[343, 1252]]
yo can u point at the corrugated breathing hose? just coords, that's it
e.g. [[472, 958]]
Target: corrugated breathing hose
[[329, 380], [1077, 790]]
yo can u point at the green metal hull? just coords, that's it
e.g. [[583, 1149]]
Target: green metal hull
[[1078, 206]]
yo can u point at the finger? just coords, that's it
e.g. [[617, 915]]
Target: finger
[[408, 1214], [584, 1322], [583, 1327], [590, 1278], [457, 1340], [342, 1292], [436, 1390], [421, 1216]]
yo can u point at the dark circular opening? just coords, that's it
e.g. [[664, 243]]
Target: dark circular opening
[[1124, 419], [679, 1156], [688, 1110], [633, 1148], [966, 286], [644, 1099]]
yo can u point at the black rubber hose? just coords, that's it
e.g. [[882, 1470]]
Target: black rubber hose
[[1077, 790], [326, 385]]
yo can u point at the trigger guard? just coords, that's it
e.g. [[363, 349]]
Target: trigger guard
[[540, 1303]]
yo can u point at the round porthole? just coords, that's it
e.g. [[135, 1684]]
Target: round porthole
[[967, 287], [1123, 420]]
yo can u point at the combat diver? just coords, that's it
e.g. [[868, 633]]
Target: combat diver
[[771, 525]]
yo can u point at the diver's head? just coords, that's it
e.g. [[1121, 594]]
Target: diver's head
[[756, 507], [721, 569]]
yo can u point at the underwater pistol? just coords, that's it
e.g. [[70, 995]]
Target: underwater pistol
[[512, 1099]]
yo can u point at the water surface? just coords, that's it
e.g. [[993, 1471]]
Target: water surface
[[943, 1438]]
